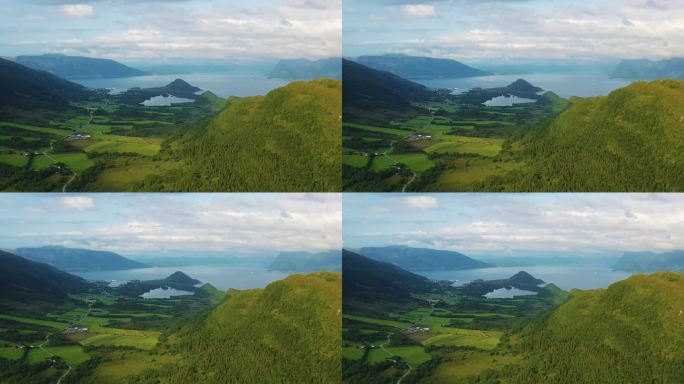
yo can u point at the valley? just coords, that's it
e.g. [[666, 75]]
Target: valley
[[528, 331]]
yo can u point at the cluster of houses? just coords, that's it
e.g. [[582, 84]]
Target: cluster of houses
[[78, 136], [416, 328], [74, 328], [418, 137]]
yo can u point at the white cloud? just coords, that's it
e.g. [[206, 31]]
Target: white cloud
[[78, 202], [78, 11], [422, 202], [419, 10]]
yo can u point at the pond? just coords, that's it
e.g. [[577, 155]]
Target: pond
[[508, 293], [164, 293], [165, 101], [507, 101]]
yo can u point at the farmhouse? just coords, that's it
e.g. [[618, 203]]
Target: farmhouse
[[78, 136], [418, 136]]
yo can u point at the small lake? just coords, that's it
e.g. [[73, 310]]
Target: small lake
[[564, 85], [221, 84], [221, 277], [565, 277], [507, 101], [508, 293], [164, 293], [165, 101]]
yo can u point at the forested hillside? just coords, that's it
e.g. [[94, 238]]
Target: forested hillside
[[631, 140], [286, 332], [288, 140], [74, 259], [632, 332]]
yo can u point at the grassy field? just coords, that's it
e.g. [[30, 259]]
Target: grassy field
[[72, 354], [391, 323], [462, 364], [348, 353], [120, 364], [33, 128], [27, 320], [463, 144], [358, 161], [486, 340], [414, 355], [16, 160], [76, 161], [11, 353]]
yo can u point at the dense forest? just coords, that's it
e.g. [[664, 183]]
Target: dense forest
[[288, 140], [286, 332]]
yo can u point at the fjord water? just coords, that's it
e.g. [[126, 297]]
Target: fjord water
[[221, 277], [508, 293], [565, 277], [165, 101], [221, 84], [564, 85], [165, 293]]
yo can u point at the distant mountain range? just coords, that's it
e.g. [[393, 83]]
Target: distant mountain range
[[77, 67], [416, 67], [286, 332], [422, 259], [307, 262], [651, 262], [644, 69], [74, 259], [304, 69], [26, 280], [26, 88]]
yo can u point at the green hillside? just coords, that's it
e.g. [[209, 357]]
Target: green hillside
[[631, 140], [286, 332], [288, 140], [27, 280], [632, 332]]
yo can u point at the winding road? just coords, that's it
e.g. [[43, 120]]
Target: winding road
[[391, 148], [74, 174], [389, 337], [47, 340]]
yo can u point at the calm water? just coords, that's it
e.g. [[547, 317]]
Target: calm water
[[221, 277], [507, 101], [562, 85], [508, 293], [223, 85], [165, 101], [162, 293], [566, 277]]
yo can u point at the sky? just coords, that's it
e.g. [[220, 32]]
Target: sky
[[517, 225], [515, 30], [233, 224], [158, 30]]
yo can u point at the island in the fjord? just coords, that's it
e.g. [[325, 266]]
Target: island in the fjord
[[399, 135], [57, 327], [401, 327], [56, 135]]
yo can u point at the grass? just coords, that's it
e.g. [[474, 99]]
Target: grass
[[126, 172], [358, 161], [462, 144], [462, 364], [72, 354], [123, 337], [16, 160], [11, 353], [26, 320], [76, 161], [414, 355], [52, 131], [391, 131], [418, 162], [391, 323], [149, 147], [120, 364], [468, 171], [352, 353], [35, 355], [377, 355], [486, 340]]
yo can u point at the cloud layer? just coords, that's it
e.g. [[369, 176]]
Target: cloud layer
[[518, 224], [192, 29], [516, 30], [151, 223]]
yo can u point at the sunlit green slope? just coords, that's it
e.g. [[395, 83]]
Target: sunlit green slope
[[288, 140], [631, 140], [289, 331], [632, 332]]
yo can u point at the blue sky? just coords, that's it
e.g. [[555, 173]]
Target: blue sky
[[153, 30], [515, 30], [230, 223], [517, 225]]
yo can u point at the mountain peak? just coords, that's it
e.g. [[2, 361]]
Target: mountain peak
[[523, 86], [524, 277], [181, 85], [181, 278]]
